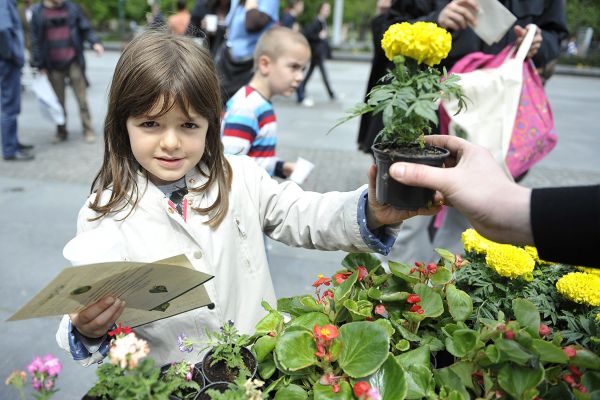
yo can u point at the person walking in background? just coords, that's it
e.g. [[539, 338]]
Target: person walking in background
[[208, 21], [25, 16], [12, 58], [58, 32], [246, 22], [249, 125], [316, 33], [179, 21], [155, 18], [290, 14]]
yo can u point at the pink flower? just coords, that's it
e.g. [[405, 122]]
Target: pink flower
[[545, 330], [36, 365], [569, 351], [432, 268], [52, 365], [361, 388], [380, 309], [362, 272], [36, 384], [510, 335], [373, 394]]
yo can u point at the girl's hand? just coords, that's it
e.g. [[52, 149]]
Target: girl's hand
[[537, 39], [379, 215], [96, 319]]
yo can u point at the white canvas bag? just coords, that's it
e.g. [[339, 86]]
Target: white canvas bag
[[490, 123], [47, 100]]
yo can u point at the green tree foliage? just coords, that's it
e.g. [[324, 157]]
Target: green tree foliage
[[581, 13]]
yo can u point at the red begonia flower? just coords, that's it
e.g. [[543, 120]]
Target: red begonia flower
[[361, 388], [413, 298]]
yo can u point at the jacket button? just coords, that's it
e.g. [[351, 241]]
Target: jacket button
[[211, 306], [198, 254]]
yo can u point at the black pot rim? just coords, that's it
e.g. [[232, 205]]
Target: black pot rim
[[378, 151], [244, 349]]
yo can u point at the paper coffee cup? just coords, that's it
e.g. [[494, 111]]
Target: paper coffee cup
[[301, 171], [211, 22]]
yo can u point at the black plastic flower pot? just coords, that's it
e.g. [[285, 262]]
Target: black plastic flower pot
[[399, 195], [218, 386], [219, 372], [197, 376]]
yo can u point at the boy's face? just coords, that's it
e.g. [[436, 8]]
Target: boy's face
[[168, 146], [286, 72]]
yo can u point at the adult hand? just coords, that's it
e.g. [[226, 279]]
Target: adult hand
[[96, 319], [458, 14], [379, 214], [476, 186], [98, 48], [250, 4], [537, 39]]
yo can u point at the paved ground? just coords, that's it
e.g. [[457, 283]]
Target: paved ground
[[40, 200]]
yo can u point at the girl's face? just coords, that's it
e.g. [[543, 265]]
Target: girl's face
[[168, 146]]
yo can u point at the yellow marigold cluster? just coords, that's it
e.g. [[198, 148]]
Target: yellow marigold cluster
[[580, 287], [474, 242], [424, 41], [593, 271], [532, 250], [509, 261]]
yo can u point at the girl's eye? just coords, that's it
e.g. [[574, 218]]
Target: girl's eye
[[190, 125], [148, 124]]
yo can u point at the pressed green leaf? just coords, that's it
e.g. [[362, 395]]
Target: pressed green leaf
[[548, 352], [325, 392], [418, 356], [296, 350], [365, 348], [291, 392], [309, 320], [390, 380], [460, 304], [516, 380], [527, 315], [263, 347]]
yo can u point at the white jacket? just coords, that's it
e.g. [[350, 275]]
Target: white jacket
[[233, 252]]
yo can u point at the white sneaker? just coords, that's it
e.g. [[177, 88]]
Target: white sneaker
[[308, 102]]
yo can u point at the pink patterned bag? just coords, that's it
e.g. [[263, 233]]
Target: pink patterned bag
[[534, 133]]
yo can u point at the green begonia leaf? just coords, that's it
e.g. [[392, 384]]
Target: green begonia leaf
[[402, 271], [431, 301], [359, 309], [418, 356], [420, 382], [513, 351], [527, 315], [266, 368], [365, 348], [460, 304], [296, 350], [325, 392], [367, 260], [516, 380], [390, 380], [548, 352], [308, 321], [342, 292], [291, 392], [263, 347], [462, 342], [586, 359], [441, 276], [272, 322]]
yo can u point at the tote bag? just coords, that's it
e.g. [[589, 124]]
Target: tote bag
[[47, 101], [507, 109]]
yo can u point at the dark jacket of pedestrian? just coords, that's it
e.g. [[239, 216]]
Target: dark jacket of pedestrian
[[11, 34], [79, 28]]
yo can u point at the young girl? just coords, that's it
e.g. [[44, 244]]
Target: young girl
[[167, 189]]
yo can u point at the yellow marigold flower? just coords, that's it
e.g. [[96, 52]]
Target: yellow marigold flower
[[532, 250], [509, 261], [424, 41], [593, 271], [474, 242], [580, 287]]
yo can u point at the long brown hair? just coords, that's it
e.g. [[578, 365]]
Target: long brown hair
[[157, 67]]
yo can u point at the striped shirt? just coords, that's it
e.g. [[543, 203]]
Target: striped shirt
[[61, 50], [249, 127]]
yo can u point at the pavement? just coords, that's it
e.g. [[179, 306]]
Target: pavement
[[40, 199]]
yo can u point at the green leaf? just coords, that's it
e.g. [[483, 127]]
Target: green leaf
[[272, 322], [296, 350], [263, 347], [548, 352], [325, 392], [460, 304], [418, 356], [586, 359], [448, 378], [446, 255], [266, 368], [385, 324], [390, 380], [298, 305], [359, 309], [591, 381], [462, 342], [516, 380], [353, 260], [402, 271], [308, 321], [464, 370], [511, 350], [441, 276], [402, 345], [365, 348], [420, 382], [342, 292], [527, 315], [431, 301], [291, 392]]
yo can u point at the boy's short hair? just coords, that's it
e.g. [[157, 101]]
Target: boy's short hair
[[274, 42]]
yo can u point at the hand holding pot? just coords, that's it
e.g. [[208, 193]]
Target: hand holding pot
[[476, 186], [385, 214]]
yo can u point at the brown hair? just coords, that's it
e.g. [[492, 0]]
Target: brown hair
[[159, 66], [274, 42]]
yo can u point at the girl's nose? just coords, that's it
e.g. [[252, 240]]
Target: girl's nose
[[170, 139]]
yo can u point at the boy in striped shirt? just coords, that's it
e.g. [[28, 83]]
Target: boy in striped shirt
[[249, 125]]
